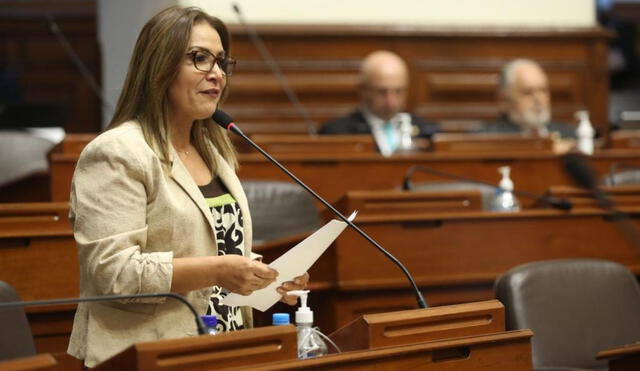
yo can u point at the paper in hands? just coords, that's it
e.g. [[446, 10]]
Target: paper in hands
[[291, 264]]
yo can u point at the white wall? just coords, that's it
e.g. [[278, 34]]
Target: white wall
[[119, 21], [566, 13]]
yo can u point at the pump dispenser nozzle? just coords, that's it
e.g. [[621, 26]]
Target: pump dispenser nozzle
[[303, 314], [506, 183]]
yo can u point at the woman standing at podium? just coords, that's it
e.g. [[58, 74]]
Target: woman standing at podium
[[156, 205]]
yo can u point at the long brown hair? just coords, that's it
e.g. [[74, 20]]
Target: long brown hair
[[159, 50]]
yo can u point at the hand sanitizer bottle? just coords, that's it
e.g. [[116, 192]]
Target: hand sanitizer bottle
[[584, 133], [505, 200], [310, 344]]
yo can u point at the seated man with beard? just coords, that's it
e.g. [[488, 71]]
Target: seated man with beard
[[525, 103]]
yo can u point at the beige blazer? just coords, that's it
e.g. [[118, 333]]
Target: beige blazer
[[132, 214]]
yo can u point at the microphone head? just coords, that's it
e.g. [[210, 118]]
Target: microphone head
[[580, 171], [236, 8], [222, 118]]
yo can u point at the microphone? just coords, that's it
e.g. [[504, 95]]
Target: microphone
[[277, 72], [202, 329], [583, 174], [224, 120], [558, 203]]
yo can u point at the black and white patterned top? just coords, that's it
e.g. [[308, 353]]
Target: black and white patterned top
[[228, 225]]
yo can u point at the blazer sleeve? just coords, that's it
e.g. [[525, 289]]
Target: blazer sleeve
[[108, 212]]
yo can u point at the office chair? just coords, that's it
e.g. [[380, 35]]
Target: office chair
[[15, 334], [279, 209], [575, 307]]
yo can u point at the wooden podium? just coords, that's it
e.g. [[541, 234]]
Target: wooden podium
[[372, 331], [463, 337], [232, 349]]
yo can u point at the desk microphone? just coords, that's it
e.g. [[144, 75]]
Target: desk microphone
[[555, 202], [583, 174], [277, 72], [202, 329], [224, 120]]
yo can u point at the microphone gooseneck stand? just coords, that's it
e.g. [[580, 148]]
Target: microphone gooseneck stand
[[277, 72], [224, 120], [582, 174], [202, 329]]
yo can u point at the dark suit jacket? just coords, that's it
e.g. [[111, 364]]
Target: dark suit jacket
[[355, 123], [504, 125]]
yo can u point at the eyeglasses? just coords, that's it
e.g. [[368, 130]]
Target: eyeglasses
[[204, 62]]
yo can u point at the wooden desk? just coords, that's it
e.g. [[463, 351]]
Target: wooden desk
[[303, 143], [623, 195], [502, 351], [455, 257], [490, 142], [332, 173], [38, 258], [624, 358], [478, 346], [43, 361], [625, 139]]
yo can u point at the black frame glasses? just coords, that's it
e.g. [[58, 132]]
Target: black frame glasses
[[204, 61]]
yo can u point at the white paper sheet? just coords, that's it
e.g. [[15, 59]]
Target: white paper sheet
[[291, 264]]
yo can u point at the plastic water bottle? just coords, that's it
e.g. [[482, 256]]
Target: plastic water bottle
[[505, 200], [584, 133], [310, 343], [211, 321], [406, 141], [280, 319]]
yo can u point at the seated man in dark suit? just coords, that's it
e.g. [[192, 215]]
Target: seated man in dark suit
[[383, 88], [525, 102]]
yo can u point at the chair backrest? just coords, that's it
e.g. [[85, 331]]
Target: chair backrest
[[622, 177], [15, 334], [488, 192], [279, 209], [575, 307]]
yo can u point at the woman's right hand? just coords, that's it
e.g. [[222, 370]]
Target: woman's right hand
[[242, 275]]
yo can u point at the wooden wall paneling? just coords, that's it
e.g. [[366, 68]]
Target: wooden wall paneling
[[46, 72], [457, 77], [453, 71]]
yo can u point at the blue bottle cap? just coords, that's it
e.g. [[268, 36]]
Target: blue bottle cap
[[280, 319], [210, 320]]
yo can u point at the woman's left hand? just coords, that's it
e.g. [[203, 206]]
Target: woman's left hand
[[298, 283]]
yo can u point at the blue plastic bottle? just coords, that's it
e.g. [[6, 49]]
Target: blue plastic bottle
[[211, 321], [280, 319]]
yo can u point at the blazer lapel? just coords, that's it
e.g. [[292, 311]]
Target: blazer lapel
[[181, 175]]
